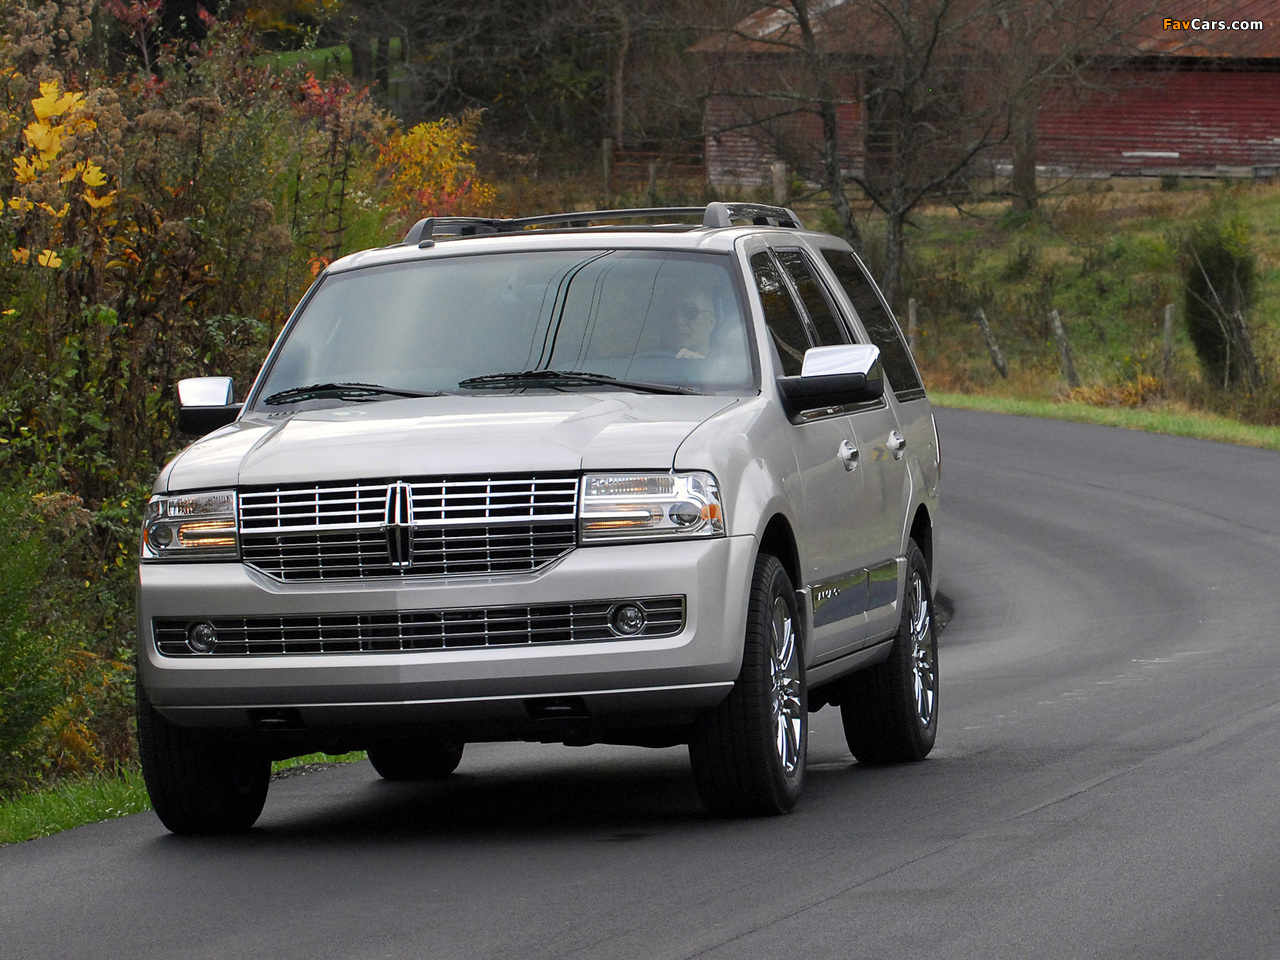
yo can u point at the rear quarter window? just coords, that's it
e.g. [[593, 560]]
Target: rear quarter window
[[881, 327]]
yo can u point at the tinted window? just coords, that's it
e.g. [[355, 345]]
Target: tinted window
[[786, 328], [881, 326], [826, 323]]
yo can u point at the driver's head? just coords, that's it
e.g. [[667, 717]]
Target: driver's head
[[694, 319]]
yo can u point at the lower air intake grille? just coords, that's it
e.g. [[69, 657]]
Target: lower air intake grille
[[420, 630]]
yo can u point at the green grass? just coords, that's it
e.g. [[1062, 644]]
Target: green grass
[[1202, 426], [73, 803], [315, 758]]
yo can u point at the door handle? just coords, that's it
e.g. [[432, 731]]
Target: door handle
[[897, 443], [849, 454]]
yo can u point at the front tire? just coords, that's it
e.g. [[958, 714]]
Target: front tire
[[748, 753], [199, 785], [414, 760], [890, 711]]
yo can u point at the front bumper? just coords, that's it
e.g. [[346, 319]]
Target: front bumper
[[646, 679]]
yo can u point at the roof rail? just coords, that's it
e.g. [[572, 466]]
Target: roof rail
[[715, 214]]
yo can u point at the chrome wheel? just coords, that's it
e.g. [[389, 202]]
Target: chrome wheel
[[924, 671], [784, 668]]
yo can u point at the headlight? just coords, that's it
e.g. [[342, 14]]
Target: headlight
[[649, 506], [191, 526]]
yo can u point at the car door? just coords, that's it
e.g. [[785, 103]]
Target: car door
[[831, 483], [872, 528]]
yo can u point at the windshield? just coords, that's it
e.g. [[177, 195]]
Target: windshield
[[642, 317]]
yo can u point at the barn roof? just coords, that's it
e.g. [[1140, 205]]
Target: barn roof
[[1172, 28], [1230, 34]]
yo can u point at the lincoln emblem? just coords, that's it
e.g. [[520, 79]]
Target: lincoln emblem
[[398, 524]]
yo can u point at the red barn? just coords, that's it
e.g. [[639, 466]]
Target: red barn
[[1189, 92]]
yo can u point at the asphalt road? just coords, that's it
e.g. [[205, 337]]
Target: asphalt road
[[1105, 782]]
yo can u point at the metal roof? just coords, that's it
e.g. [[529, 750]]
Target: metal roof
[[1177, 28]]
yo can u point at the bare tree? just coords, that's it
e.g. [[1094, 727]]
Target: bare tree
[[1053, 46], [883, 94]]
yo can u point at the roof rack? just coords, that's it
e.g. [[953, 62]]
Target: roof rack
[[714, 214]]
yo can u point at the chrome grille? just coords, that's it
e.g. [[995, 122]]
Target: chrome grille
[[398, 631], [420, 527]]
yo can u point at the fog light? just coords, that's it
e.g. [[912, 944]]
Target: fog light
[[626, 619], [201, 637]]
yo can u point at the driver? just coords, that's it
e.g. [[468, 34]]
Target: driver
[[694, 319]]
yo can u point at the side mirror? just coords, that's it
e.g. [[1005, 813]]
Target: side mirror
[[846, 374], [204, 404]]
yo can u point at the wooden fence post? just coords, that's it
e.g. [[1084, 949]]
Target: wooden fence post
[[911, 325], [993, 348], [781, 182], [1064, 348], [1168, 344], [606, 160]]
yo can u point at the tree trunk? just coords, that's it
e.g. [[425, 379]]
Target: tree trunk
[[893, 247], [835, 177], [1022, 123], [361, 58], [620, 77], [826, 103], [382, 63]]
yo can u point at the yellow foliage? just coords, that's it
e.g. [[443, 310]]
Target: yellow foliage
[[92, 174], [59, 117], [431, 173], [25, 170], [1131, 393], [49, 104], [44, 138], [97, 202]]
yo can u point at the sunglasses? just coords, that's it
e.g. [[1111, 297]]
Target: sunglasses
[[691, 311]]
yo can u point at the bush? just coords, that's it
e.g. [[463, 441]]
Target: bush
[[64, 706], [1220, 272], [29, 688]]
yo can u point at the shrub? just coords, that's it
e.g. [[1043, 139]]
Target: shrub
[[63, 706], [1220, 274], [431, 171], [29, 688]]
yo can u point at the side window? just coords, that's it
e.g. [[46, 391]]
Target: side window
[[786, 328], [881, 326], [826, 322]]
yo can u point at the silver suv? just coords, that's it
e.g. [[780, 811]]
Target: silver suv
[[611, 477]]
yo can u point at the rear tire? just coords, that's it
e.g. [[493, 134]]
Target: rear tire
[[199, 785], [748, 753], [890, 711], [415, 760]]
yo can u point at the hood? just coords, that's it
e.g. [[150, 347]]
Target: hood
[[504, 433]]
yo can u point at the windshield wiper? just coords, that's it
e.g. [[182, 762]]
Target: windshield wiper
[[560, 378], [344, 391]]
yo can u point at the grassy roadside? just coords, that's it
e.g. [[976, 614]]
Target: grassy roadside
[[1202, 426], [74, 803]]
